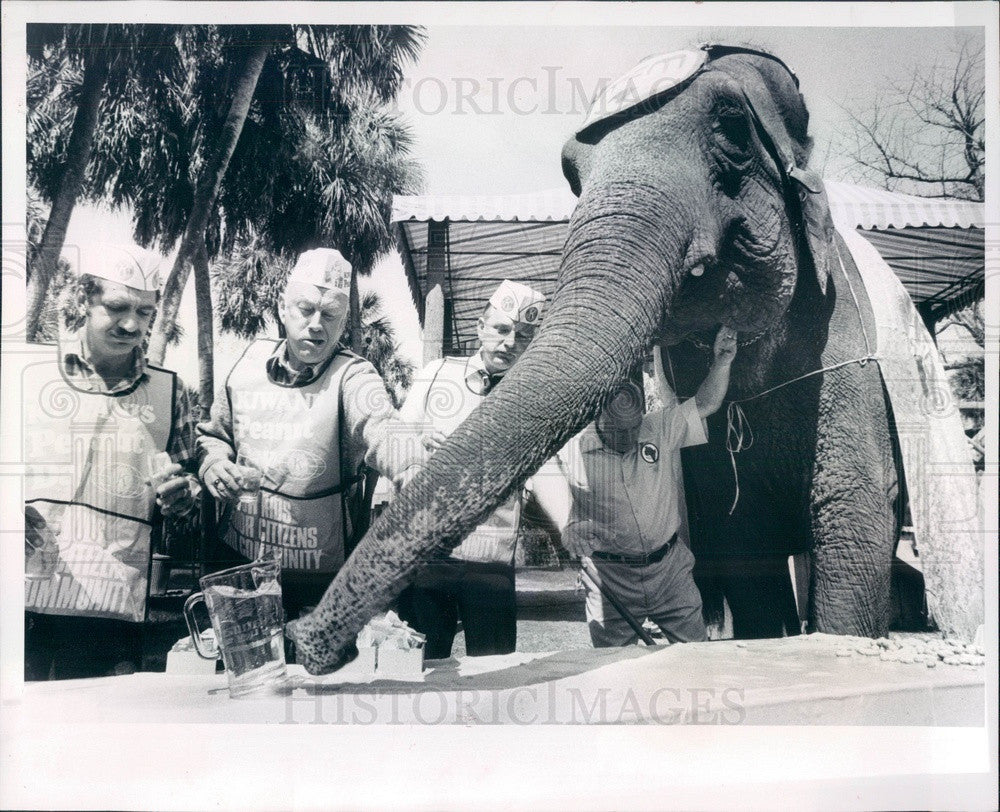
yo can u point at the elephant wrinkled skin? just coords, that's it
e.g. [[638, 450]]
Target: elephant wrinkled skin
[[695, 213]]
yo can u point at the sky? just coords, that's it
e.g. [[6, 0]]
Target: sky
[[490, 108]]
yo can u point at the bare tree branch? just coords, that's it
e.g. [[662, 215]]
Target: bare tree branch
[[926, 136]]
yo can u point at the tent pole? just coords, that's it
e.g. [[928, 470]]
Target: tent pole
[[435, 328]]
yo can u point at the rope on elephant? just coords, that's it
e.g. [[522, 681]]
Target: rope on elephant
[[857, 304], [737, 424]]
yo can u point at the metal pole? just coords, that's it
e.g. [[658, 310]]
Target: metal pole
[[585, 566]]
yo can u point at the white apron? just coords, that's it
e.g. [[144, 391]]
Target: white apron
[[292, 433], [448, 402], [87, 458]]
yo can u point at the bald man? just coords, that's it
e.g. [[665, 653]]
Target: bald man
[[308, 415]]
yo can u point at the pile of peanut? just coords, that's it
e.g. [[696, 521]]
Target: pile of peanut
[[927, 648]]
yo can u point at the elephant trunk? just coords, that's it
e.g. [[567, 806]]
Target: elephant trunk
[[619, 265]]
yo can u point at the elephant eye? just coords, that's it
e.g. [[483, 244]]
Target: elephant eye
[[732, 146], [732, 129]]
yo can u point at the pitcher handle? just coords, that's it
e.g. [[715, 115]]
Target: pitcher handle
[[193, 627]]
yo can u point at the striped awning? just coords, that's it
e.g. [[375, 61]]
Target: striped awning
[[935, 246], [864, 207], [543, 206], [850, 204]]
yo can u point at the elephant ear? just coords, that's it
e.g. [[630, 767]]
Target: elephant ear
[[802, 186], [816, 221]]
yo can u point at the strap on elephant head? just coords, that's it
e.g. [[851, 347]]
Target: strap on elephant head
[[659, 78]]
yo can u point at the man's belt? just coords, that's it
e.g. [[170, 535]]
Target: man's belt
[[636, 560]]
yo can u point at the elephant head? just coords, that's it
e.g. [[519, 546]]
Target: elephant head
[[693, 212]]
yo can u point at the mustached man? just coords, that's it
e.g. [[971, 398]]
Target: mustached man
[[99, 421]]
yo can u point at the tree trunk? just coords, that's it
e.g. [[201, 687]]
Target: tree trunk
[[206, 344], [170, 302], [205, 194], [354, 320], [78, 152]]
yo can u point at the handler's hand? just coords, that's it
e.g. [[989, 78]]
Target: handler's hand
[[725, 345], [173, 493], [222, 479], [580, 538], [433, 440]]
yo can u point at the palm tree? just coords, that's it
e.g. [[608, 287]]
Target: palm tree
[[193, 250], [208, 183], [48, 326], [379, 345], [297, 77], [84, 42], [248, 282], [336, 159], [333, 186], [75, 76], [192, 149]]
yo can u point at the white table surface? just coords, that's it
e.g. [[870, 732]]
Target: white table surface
[[797, 680]]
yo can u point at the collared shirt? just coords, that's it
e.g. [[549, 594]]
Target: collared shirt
[[81, 374], [479, 381], [456, 402], [281, 371], [630, 503]]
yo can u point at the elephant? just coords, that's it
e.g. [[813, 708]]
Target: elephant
[[695, 210]]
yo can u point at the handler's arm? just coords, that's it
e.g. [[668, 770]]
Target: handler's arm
[[713, 389], [550, 487]]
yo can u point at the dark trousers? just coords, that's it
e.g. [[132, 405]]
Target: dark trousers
[[481, 595], [69, 647], [302, 591], [759, 593]]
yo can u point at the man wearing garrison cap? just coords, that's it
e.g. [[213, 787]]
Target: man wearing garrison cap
[[476, 583], [108, 439], [308, 415]]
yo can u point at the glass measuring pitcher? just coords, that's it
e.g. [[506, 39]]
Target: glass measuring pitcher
[[244, 604]]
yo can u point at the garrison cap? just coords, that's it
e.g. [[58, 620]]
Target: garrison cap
[[518, 302], [127, 265], [322, 267]]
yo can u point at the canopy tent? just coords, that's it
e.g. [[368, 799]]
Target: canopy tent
[[467, 244]]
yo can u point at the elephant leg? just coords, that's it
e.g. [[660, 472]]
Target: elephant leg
[[850, 590], [854, 530], [708, 579]]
